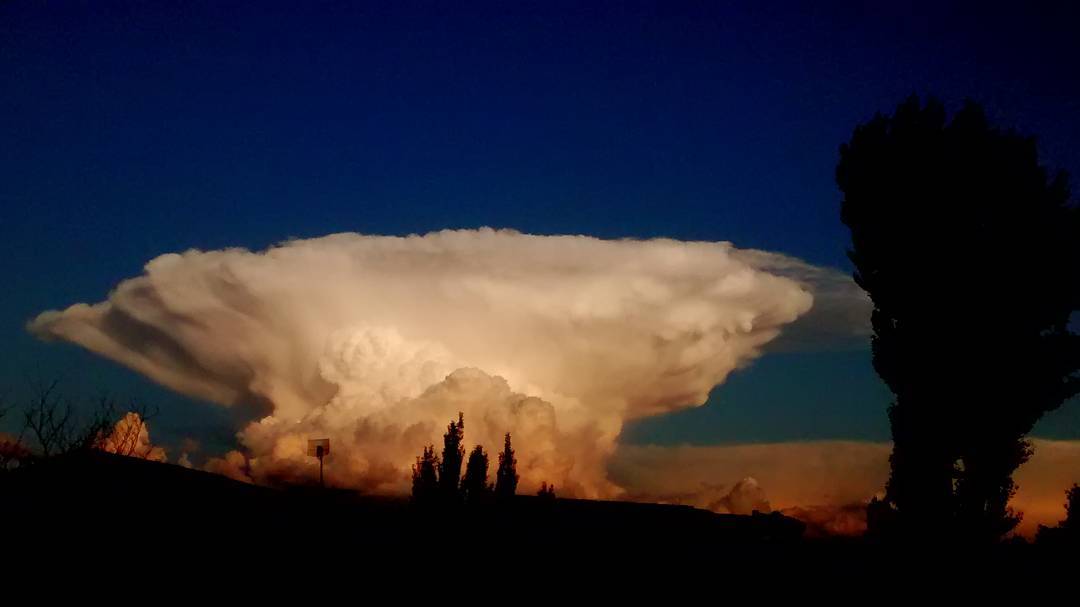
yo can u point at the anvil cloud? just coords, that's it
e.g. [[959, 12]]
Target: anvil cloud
[[377, 342]]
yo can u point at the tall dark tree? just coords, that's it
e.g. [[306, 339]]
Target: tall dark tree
[[425, 477], [971, 255], [474, 486], [452, 457], [506, 477]]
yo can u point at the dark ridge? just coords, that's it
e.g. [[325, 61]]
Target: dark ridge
[[71, 509], [82, 493]]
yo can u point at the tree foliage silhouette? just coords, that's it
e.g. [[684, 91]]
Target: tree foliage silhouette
[[452, 456], [1067, 531], [546, 492], [425, 477], [1072, 509], [506, 477], [971, 255], [474, 487]]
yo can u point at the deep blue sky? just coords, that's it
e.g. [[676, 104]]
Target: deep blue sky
[[132, 129]]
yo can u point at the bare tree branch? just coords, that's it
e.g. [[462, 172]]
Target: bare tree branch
[[50, 424], [47, 418]]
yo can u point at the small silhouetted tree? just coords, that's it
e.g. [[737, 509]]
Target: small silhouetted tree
[[452, 457], [425, 477], [506, 477], [51, 423], [49, 420], [474, 486], [546, 492], [13, 454], [12, 451], [970, 253]]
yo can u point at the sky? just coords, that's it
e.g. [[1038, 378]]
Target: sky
[[133, 129]]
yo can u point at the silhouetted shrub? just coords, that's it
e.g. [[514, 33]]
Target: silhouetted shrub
[[546, 492], [13, 454]]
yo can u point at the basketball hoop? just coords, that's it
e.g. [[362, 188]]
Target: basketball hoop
[[320, 448]]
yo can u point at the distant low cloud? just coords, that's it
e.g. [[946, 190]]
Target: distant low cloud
[[792, 473], [376, 342], [233, 465], [746, 497], [824, 483]]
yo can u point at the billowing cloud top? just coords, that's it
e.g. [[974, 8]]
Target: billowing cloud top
[[378, 341]]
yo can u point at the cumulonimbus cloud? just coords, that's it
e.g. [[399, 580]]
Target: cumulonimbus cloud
[[377, 342]]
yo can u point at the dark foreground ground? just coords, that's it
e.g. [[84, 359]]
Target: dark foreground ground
[[99, 505]]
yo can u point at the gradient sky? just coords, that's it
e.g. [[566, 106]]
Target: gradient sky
[[131, 129]]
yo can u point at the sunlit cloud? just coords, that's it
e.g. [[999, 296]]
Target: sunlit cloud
[[130, 436], [377, 342]]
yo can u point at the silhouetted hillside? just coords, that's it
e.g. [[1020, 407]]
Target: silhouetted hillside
[[84, 506], [81, 494]]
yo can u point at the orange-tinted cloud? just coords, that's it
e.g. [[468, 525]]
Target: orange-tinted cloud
[[372, 341], [233, 465], [823, 482], [131, 436]]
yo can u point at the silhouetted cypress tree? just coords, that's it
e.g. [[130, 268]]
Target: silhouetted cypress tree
[[971, 255], [452, 456], [546, 491], [506, 477], [425, 478], [475, 484]]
